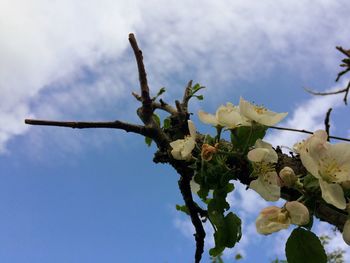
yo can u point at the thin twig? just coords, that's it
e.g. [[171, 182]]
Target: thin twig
[[326, 122], [325, 93], [128, 127], [344, 51], [308, 132], [158, 105]]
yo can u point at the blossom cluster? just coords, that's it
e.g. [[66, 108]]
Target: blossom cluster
[[328, 164], [230, 116]]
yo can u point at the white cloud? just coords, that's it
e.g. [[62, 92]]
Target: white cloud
[[45, 43], [336, 241], [308, 115]]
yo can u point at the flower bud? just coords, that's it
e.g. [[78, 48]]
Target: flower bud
[[298, 213], [207, 152], [271, 219], [288, 177]]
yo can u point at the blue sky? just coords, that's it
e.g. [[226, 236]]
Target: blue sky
[[95, 195]]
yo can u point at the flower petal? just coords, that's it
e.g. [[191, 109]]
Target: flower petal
[[266, 186], [207, 118], [333, 194], [298, 213], [192, 129], [260, 114], [271, 219]]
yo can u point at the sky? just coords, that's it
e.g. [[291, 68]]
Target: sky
[[95, 195]]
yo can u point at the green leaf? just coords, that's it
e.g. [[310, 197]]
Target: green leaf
[[148, 141], [228, 231], [244, 137], [156, 119], [160, 92], [216, 251], [166, 123], [183, 208], [233, 231], [196, 88], [303, 246], [310, 182], [199, 97]]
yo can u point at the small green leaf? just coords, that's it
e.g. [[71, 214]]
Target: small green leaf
[[183, 208], [160, 92], [148, 141], [156, 119], [199, 97], [310, 182], [166, 123], [303, 246], [216, 251], [196, 88]]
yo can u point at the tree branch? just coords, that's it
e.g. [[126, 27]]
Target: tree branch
[[128, 127], [184, 185], [158, 105], [187, 96], [307, 132], [326, 122]]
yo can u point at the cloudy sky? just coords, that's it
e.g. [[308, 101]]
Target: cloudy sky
[[95, 195]]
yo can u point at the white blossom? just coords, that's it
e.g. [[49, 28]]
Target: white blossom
[[329, 163], [272, 219], [260, 114], [182, 148], [226, 116], [263, 158]]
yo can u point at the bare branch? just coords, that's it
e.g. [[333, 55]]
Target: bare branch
[[141, 69], [128, 127], [184, 185], [187, 96], [308, 132], [158, 105], [326, 122], [344, 51]]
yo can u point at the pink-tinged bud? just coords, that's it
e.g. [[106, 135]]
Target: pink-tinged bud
[[207, 152], [272, 219], [298, 213], [288, 177]]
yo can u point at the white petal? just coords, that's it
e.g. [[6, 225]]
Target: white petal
[[272, 156], [257, 155], [298, 213], [188, 147], [266, 187], [229, 118], [346, 232], [265, 117], [333, 194], [207, 118], [271, 118], [340, 152], [270, 220], [192, 129]]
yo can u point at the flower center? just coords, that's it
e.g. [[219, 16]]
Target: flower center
[[329, 169], [263, 168], [260, 109]]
